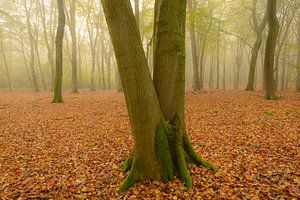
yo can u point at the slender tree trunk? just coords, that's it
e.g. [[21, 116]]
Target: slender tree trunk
[[48, 41], [218, 62], [32, 55], [38, 59], [72, 25], [108, 63], [196, 79], [283, 70], [201, 62], [103, 64], [255, 50], [79, 66], [224, 67], [269, 82], [298, 58], [5, 60], [57, 98]]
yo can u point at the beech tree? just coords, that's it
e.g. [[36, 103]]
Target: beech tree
[[59, 53], [155, 108], [269, 82], [258, 28]]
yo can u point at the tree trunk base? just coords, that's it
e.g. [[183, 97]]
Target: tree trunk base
[[173, 151]]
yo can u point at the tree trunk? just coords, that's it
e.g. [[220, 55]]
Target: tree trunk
[[103, 64], [38, 59], [196, 79], [224, 66], [283, 69], [32, 55], [218, 62], [269, 82], [158, 149], [59, 53], [5, 60], [72, 26], [298, 59], [255, 50]]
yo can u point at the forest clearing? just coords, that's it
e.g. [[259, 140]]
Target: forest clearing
[[74, 150], [150, 99]]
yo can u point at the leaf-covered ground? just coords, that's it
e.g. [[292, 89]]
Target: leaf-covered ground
[[73, 150]]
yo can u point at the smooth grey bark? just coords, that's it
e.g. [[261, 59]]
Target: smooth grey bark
[[269, 82]]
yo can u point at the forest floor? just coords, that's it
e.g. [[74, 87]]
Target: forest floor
[[74, 150]]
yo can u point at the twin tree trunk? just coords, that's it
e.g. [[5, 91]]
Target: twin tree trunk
[[59, 53], [269, 82], [156, 109]]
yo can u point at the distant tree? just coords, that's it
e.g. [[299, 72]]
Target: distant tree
[[59, 53], [269, 82], [258, 28], [32, 50], [156, 109], [298, 57], [5, 59], [196, 79]]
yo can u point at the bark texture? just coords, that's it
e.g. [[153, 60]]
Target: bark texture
[[258, 28], [156, 109], [269, 83], [59, 53]]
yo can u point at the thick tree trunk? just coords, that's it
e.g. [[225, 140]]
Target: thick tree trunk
[[158, 147], [142, 103], [169, 82], [269, 82], [57, 98], [196, 78]]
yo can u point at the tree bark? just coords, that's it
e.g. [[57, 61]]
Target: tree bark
[[269, 83], [255, 50], [72, 26], [59, 53], [158, 147]]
